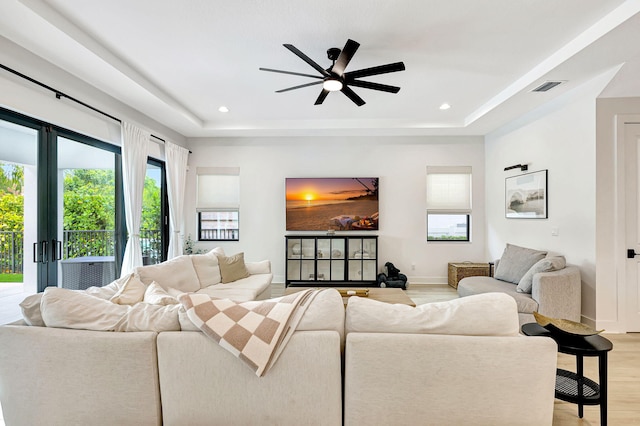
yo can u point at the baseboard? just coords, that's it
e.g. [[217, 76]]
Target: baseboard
[[428, 280]]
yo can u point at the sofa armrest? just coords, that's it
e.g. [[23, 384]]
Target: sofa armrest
[[558, 293], [262, 267]]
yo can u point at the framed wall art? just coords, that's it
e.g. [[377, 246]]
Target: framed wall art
[[526, 196]]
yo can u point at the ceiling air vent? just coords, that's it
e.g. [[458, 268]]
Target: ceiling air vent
[[546, 86]]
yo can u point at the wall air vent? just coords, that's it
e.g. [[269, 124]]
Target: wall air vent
[[546, 86]]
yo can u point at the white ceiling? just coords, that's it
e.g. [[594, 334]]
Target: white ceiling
[[178, 61]]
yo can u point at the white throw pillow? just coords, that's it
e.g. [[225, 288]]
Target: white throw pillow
[[207, 269], [262, 267], [548, 264], [30, 307], [515, 262], [487, 314], [156, 295], [131, 292], [178, 273]]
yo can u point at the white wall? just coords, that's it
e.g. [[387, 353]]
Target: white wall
[[29, 99], [399, 162], [559, 137]]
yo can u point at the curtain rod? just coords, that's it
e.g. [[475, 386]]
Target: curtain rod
[[60, 95]]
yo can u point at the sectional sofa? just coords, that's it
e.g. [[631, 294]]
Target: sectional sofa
[[371, 364], [537, 280]]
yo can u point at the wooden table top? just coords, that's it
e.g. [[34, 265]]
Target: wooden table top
[[387, 295]]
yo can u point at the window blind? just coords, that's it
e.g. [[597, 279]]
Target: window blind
[[218, 187], [449, 189]]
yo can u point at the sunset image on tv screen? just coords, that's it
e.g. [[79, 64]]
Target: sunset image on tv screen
[[339, 204]]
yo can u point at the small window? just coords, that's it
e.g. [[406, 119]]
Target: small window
[[218, 203], [218, 225], [448, 203], [447, 227]]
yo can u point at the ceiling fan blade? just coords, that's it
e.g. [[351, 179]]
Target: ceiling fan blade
[[307, 59], [290, 72], [352, 95], [345, 56], [373, 86], [322, 97], [299, 87], [381, 69]]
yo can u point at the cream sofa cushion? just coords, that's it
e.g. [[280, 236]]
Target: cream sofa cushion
[[178, 273], [64, 308], [207, 268], [488, 314]]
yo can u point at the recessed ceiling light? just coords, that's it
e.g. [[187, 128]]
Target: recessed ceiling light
[[445, 106], [223, 109]]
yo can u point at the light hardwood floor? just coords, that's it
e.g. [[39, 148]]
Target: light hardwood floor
[[624, 370]]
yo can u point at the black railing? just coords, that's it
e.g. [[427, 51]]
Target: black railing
[[77, 244], [11, 252], [87, 243]]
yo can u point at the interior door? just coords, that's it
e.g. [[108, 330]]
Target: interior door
[[632, 195]]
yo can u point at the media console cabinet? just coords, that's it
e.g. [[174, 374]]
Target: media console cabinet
[[331, 260]]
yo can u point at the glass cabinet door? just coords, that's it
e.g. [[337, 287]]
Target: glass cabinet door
[[323, 255], [337, 259], [294, 256], [362, 259]]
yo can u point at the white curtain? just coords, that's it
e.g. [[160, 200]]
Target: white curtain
[[176, 157], [135, 149]]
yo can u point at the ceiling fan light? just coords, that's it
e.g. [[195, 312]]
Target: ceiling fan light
[[332, 85]]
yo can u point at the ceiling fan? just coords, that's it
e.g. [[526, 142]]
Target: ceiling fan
[[334, 78]]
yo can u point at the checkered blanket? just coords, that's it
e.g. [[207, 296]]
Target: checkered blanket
[[256, 332]]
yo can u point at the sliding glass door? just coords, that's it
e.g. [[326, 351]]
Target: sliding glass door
[[87, 221], [62, 210]]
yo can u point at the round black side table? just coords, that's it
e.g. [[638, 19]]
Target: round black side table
[[574, 387]]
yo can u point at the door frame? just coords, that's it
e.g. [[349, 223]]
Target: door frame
[[622, 120], [47, 183]]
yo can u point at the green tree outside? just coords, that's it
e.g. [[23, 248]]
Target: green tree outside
[[89, 205]]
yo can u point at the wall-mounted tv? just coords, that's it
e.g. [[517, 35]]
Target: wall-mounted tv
[[340, 204]]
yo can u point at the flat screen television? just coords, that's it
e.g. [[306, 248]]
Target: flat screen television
[[340, 204]]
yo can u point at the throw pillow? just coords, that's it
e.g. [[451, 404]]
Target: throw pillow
[[207, 269], [262, 267], [30, 307], [178, 273], [487, 314], [548, 264], [515, 262], [232, 268], [131, 292], [156, 295]]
